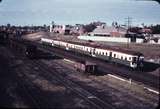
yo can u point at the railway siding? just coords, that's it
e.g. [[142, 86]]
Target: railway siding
[[101, 83]]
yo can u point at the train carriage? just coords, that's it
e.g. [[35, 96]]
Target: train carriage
[[125, 57], [121, 56], [63, 45], [47, 41]]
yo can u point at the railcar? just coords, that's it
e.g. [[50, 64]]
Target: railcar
[[86, 67], [121, 56], [23, 47]]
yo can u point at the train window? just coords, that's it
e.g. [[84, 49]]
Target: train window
[[122, 57], [102, 53], [125, 58], [115, 55], [106, 53], [129, 58]]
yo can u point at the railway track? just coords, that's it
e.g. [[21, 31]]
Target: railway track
[[29, 93], [142, 77], [105, 84], [32, 92], [22, 88], [47, 72], [88, 96]]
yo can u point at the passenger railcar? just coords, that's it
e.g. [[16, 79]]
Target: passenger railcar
[[125, 57]]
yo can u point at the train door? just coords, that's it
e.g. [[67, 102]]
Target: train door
[[92, 52], [110, 56], [140, 61]]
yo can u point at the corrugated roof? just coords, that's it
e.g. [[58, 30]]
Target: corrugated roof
[[108, 30]]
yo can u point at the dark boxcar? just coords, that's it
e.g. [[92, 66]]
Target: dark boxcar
[[86, 67]]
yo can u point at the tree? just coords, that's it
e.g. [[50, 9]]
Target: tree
[[155, 29], [89, 27]]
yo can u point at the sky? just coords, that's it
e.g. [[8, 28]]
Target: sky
[[39, 12]]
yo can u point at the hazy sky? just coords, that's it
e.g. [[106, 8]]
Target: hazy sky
[[39, 12]]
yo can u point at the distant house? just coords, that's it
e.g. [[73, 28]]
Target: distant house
[[78, 30], [109, 31], [62, 29]]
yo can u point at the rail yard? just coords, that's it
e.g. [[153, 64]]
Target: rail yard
[[51, 77], [79, 54]]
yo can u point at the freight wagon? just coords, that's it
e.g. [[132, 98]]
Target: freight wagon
[[86, 67]]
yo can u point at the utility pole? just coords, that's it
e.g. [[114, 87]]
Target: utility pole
[[128, 20]]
